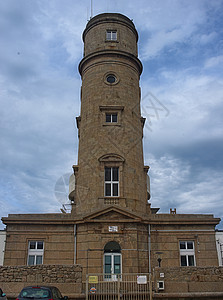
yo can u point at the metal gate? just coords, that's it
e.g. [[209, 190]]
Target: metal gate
[[118, 287]]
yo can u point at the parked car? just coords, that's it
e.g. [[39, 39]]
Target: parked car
[[41, 292], [2, 295]]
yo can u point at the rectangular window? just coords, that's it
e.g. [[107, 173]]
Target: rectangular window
[[111, 35], [117, 264], [111, 182], [187, 254], [111, 118], [108, 264], [35, 253]]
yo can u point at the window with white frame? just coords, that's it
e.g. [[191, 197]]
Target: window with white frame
[[111, 35], [111, 115], [111, 182], [187, 253], [111, 118], [35, 253]]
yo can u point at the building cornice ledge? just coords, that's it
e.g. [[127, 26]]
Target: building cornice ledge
[[184, 219], [38, 219], [111, 53]]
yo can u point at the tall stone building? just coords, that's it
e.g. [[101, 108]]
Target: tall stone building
[[111, 178], [112, 228]]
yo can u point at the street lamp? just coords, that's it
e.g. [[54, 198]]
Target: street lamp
[[159, 259]]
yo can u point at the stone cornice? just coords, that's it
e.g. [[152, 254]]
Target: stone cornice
[[157, 219], [111, 53]]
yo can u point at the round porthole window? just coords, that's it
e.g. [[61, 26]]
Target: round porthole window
[[111, 78]]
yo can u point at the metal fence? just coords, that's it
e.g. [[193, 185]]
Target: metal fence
[[118, 287]]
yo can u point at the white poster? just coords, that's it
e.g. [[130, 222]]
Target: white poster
[[142, 279]]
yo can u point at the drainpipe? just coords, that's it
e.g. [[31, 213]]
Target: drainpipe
[[149, 253], [75, 243], [149, 247]]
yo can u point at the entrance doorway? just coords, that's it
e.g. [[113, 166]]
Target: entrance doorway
[[112, 261]]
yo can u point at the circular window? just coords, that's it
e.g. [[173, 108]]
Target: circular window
[[111, 78]]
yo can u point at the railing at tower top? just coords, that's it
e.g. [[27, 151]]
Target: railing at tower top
[[118, 287]]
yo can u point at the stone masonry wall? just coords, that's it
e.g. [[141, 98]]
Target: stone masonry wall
[[190, 279], [68, 278]]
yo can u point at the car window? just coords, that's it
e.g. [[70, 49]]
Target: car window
[[35, 293]]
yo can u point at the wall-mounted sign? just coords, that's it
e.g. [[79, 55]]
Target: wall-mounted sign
[[113, 228], [93, 279], [142, 279], [93, 290]]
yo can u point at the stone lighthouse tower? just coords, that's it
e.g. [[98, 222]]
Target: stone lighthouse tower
[[110, 167], [110, 193], [111, 231]]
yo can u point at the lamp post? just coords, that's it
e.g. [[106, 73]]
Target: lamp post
[[159, 259]]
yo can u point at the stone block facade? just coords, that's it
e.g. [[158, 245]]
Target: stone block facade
[[192, 283], [58, 243], [166, 239], [132, 239]]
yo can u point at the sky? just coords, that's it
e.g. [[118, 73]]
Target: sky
[[181, 48]]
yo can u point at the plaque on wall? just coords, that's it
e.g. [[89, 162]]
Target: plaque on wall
[[113, 228], [141, 279]]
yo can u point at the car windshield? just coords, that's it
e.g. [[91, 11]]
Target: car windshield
[[35, 293]]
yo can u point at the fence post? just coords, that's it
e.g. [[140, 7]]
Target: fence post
[[118, 287], [150, 287], [86, 288]]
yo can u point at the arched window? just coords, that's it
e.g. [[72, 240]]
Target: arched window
[[112, 261]]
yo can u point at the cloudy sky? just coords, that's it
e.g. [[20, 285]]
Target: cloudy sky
[[181, 48]]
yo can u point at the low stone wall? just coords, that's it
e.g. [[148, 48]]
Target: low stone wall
[[68, 278], [184, 282], [194, 282]]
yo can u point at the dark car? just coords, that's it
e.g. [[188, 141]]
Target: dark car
[[41, 292], [2, 295]]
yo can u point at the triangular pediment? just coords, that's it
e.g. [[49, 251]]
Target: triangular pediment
[[112, 214]]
